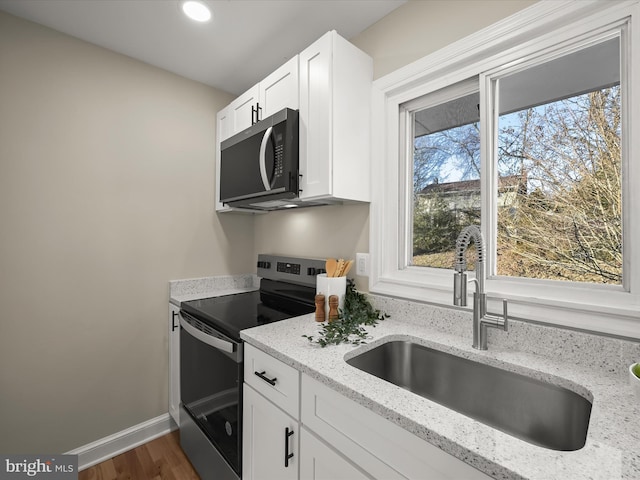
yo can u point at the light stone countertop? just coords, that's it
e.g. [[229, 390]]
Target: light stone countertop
[[206, 287], [590, 365]]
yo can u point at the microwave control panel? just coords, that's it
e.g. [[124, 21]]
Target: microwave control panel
[[279, 157]]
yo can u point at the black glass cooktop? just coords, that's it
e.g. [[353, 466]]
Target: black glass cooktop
[[275, 301]]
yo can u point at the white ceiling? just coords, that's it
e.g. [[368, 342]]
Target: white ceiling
[[245, 41]]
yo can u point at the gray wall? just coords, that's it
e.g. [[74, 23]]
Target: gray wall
[[106, 193]]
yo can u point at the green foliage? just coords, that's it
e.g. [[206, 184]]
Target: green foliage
[[349, 327], [434, 228]]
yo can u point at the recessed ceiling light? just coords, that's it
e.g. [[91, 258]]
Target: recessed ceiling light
[[196, 10]]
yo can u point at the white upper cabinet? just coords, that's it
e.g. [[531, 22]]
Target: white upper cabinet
[[330, 84], [224, 127], [279, 90], [335, 99], [242, 111]]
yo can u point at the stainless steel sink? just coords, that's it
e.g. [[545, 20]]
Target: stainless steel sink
[[537, 412]]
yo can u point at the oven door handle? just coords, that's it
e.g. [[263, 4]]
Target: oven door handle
[[214, 342]]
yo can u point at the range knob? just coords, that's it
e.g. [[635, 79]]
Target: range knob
[[320, 271], [264, 265], [311, 271]]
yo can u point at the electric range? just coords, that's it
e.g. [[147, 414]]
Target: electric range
[[211, 358]]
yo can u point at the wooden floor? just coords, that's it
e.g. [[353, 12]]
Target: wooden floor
[[160, 459]]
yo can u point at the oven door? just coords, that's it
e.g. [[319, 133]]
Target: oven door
[[211, 372]]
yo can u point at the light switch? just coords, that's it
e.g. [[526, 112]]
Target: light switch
[[362, 264]]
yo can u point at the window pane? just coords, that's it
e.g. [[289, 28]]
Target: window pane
[[446, 178], [559, 166]]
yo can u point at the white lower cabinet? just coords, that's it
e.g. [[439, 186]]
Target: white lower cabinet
[[322, 435], [318, 461], [270, 440], [377, 446], [174, 363]]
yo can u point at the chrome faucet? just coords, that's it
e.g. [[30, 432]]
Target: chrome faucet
[[481, 320]]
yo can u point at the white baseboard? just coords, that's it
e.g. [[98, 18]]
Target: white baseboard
[[120, 442]]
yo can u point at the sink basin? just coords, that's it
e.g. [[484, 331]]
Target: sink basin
[[532, 410]]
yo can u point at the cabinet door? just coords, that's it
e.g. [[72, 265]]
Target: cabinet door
[[319, 462], [174, 363], [316, 110], [280, 89], [224, 127], [240, 110], [335, 112], [270, 440], [378, 446]]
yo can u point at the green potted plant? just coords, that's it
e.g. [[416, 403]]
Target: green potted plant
[[634, 378], [349, 327]]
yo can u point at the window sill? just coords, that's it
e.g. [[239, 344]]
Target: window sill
[[607, 311]]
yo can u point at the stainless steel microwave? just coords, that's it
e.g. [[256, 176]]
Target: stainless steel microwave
[[259, 166]]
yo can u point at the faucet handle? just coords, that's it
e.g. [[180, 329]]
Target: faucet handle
[[496, 321]]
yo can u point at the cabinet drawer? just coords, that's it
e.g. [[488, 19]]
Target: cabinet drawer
[[380, 447], [277, 381]]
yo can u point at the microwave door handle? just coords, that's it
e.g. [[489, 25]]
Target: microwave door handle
[[263, 159]]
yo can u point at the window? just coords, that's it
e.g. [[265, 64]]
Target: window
[[527, 137], [559, 149], [446, 172]]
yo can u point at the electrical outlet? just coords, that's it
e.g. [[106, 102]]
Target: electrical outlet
[[362, 264]]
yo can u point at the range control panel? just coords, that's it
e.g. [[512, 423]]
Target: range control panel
[[286, 267], [290, 269]]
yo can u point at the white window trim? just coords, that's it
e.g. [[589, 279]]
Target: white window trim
[[603, 309]]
